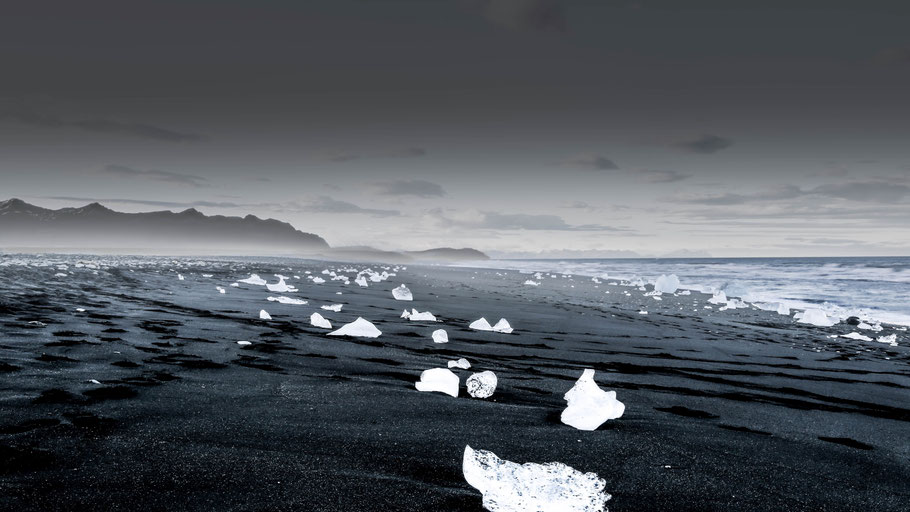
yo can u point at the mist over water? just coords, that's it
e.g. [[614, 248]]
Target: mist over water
[[874, 288]]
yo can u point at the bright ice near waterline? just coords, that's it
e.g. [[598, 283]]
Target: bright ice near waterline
[[589, 406], [359, 328], [481, 385], [440, 336], [438, 379], [666, 284], [254, 279], [814, 317], [287, 300], [402, 293], [317, 320], [553, 487]]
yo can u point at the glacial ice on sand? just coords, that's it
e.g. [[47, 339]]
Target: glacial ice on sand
[[481, 385], [317, 320], [589, 406], [281, 286], [417, 316], [440, 336], [891, 339], [666, 283], [438, 379], [333, 307], [856, 336], [254, 279], [220, 289], [719, 298], [461, 363], [264, 315], [503, 326], [553, 487], [244, 342], [402, 293], [481, 325], [359, 328], [287, 300], [814, 317]]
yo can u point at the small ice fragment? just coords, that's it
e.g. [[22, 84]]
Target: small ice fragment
[[642, 312], [814, 317], [80, 310], [264, 315], [510, 487], [481, 325], [361, 281], [417, 316], [481, 385], [406, 314], [440, 336], [532, 283], [318, 280], [589, 406], [317, 320], [180, 277], [244, 342], [666, 283], [281, 286], [220, 289], [254, 279], [719, 298], [503, 326], [333, 307], [207, 275], [438, 379], [402, 293], [461, 363], [856, 336], [891, 339], [358, 328], [281, 299], [235, 285], [94, 381]]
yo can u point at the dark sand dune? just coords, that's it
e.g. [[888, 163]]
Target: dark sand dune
[[738, 410]]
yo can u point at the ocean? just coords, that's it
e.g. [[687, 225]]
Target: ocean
[[876, 288]]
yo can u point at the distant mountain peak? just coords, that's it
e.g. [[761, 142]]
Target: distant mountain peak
[[95, 227]]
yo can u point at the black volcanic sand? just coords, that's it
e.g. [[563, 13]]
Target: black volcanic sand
[[732, 410]]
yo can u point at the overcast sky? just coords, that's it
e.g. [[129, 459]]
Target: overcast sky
[[738, 128]]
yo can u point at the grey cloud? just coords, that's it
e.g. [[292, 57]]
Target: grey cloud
[[595, 162], [707, 144], [146, 131], [542, 15], [872, 191], [516, 221], [326, 204], [652, 176], [418, 188], [122, 171], [347, 156], [894, 55], [771, 194]]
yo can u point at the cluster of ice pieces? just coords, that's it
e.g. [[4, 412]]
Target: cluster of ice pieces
[[510, 487], [417, 316], [483, 325]]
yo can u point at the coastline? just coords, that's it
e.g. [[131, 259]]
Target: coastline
[[733, 410]]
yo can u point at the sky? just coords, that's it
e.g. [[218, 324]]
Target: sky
[[518, 127]]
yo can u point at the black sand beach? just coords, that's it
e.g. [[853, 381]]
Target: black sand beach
[[733, 410]]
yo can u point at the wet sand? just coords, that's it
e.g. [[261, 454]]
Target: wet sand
[[733, 410]]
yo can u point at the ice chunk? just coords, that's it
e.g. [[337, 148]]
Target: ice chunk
[[481, 325], [406, 314], [254, 279], [481, 385], [264, 315], [532, 283], [417, 316], [333, 307], [666, 283], [281, 286], [359, 328], [438, 379], [856, 336], [318, 280], [361, 281], [402, 293], [503, 326], [243, 342], [235, 285], [440, 336], [317, 320], [719, 298], [814, 317], [180, 277], [589, 406], [891, 339], [220, 289], [287, 300], [461, 363], [510, 487]]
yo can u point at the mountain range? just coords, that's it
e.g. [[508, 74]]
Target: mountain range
[[94, 228]]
